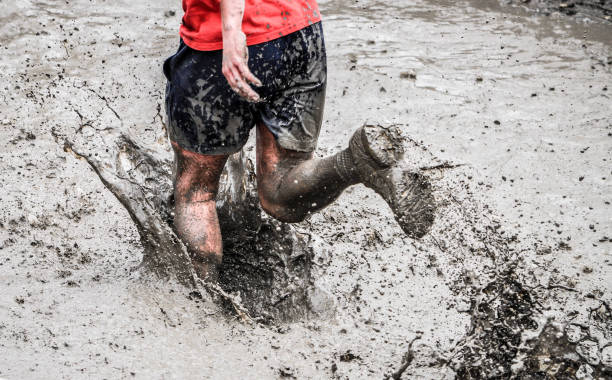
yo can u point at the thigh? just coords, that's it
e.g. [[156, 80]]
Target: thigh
[[295, 76], [197, 175]]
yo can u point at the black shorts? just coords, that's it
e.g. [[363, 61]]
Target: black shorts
[[205, 116]]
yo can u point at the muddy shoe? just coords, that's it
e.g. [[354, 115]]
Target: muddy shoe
[[377, 154]]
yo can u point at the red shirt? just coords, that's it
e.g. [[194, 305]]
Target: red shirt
[[263, 20]]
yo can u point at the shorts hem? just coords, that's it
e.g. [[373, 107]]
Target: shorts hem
[[298, 145], [210, 152]]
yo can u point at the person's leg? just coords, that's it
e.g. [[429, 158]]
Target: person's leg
[[292, 184], [195, 213]]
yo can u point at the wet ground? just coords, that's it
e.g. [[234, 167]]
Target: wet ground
[[599, 10], [514, 279]]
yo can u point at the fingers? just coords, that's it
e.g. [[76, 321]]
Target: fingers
[[247, 92], [241, 87], [238, 82], [238, 76], [232, 77], [235, 67], [246, 74]]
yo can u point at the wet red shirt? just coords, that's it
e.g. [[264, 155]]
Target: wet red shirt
[[263, 20]]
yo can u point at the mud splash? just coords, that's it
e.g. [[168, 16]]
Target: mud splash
[[521, 100], [512, 333], [265, 273], [266, 262], [511, 337]]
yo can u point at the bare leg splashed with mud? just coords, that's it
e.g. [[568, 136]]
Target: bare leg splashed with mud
[[195, 219], [292, 184]]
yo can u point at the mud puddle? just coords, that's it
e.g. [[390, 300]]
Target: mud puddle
[[519, 257]]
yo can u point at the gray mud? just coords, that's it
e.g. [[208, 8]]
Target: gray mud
[[512, 281], [600, 10]]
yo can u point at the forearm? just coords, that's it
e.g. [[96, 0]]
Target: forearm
[[235, 52], [231, 16]]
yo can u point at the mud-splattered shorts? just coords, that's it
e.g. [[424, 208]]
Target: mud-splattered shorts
[[205, 116]]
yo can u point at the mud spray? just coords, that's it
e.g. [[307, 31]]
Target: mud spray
[[512, 281]]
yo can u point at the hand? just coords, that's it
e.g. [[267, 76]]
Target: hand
[[235, 67]]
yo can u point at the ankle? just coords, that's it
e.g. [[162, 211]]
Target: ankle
[[206, 266], [345, 167]]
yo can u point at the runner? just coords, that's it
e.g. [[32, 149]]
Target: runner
[[263, 64]]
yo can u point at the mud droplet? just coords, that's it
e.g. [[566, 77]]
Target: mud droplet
[[408, 75], [584, 372], [589, 351], [574, 333], [606, 356], [286, 372]]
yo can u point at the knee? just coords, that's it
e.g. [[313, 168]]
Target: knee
[[280, 210], [194, 195]]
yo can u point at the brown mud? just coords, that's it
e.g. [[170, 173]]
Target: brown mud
[[511, 282]]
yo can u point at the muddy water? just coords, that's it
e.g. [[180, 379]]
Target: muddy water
[[522, 100], [501, 92]]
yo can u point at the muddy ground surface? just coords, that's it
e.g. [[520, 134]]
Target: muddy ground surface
[[514, 279], [600, 10]]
